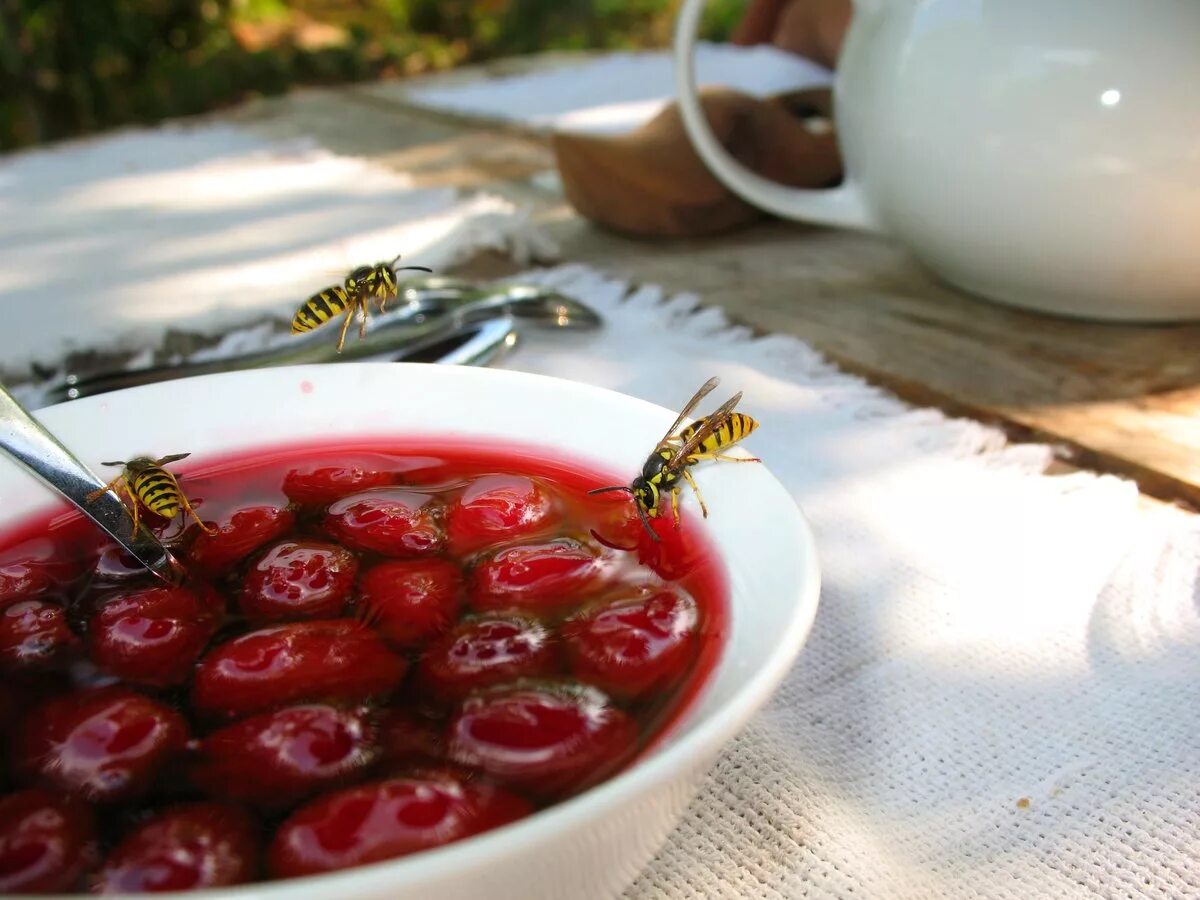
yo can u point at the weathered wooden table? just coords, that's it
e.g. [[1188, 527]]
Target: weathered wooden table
[[1115, 398]]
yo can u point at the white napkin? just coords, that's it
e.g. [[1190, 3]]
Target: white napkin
[[107, 243], [619, 91], [1001, 694]]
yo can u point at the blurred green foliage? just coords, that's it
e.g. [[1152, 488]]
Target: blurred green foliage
[[69, 67]]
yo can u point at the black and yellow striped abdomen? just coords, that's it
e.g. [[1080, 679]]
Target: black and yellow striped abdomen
[[320, 308], [735, 428], [157, 490]]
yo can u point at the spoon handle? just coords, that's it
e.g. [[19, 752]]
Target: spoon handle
[[26, 441]]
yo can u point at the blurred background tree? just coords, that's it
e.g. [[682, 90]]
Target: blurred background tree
[[70, 67]]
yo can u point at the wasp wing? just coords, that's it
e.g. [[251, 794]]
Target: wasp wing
[[705, 390], [709, 425]]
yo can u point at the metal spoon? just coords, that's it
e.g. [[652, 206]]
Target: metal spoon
[[24, 439], [427, 309]]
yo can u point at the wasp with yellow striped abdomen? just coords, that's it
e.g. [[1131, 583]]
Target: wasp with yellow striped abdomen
[[351, 297], [145, 483], [670, 461]]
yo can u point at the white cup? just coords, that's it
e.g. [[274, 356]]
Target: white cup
[[1042, 153]]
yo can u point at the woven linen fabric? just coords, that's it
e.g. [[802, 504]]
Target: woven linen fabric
[[108, 242], [1001, 693]]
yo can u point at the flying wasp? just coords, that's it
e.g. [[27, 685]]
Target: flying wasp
[[351, 297], [146, 483], [671, 459]]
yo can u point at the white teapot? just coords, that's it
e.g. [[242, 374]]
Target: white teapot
[[1042, 153]]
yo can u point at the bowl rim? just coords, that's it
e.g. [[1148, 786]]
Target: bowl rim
[[694, 739]]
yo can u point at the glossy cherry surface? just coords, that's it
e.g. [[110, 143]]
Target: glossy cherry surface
[[34, 635], [391, 521], [298, 580], [547, 739], [183, 848], [274, 759], [331, 659], [630, 647], [541, 577], [47, 841], [497, 509], [153, 636], [484, 651], [410, 601], [102, 744], [389, 818]]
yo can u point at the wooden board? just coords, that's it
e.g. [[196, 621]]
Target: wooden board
[[1117, 398]]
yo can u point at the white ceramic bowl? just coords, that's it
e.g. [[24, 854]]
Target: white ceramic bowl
[[596, 843]]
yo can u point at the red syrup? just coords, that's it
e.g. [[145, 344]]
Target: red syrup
[[439, 635]]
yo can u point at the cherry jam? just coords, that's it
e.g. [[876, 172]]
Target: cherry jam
[[382, 647]]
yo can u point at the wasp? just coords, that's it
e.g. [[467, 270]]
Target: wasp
[[351, 297], [675, 454], [146, 483]]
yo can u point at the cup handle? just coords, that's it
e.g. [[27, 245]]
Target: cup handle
[[842, 207]]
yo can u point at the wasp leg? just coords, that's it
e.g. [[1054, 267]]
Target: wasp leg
[[362, 319], [345, 325], [192, 512], [675, 504], [701, 457], [695, 487], [136, 504], [90, 498]]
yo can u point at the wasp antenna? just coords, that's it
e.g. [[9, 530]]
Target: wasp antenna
[[616, 487], [119, 462], [407, 268], [646, 524]]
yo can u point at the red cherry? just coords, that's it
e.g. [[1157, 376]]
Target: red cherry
[[536, 577], [497, 508], [672, 556], [668, 553], [408, 601], [298, 580], [34, 635], [47, 841], [485, 651], [325, 484], [385, 819], [153, 636], [103, 744], [35, 568], [617, 523], [551, 739], [391, 521], [237, 536], [275, 759], [634, 646], [407, 739], [196, 845], [333, 659]]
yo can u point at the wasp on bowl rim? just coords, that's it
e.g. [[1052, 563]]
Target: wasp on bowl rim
[[675, 454], [351, 298], [144, 482]]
